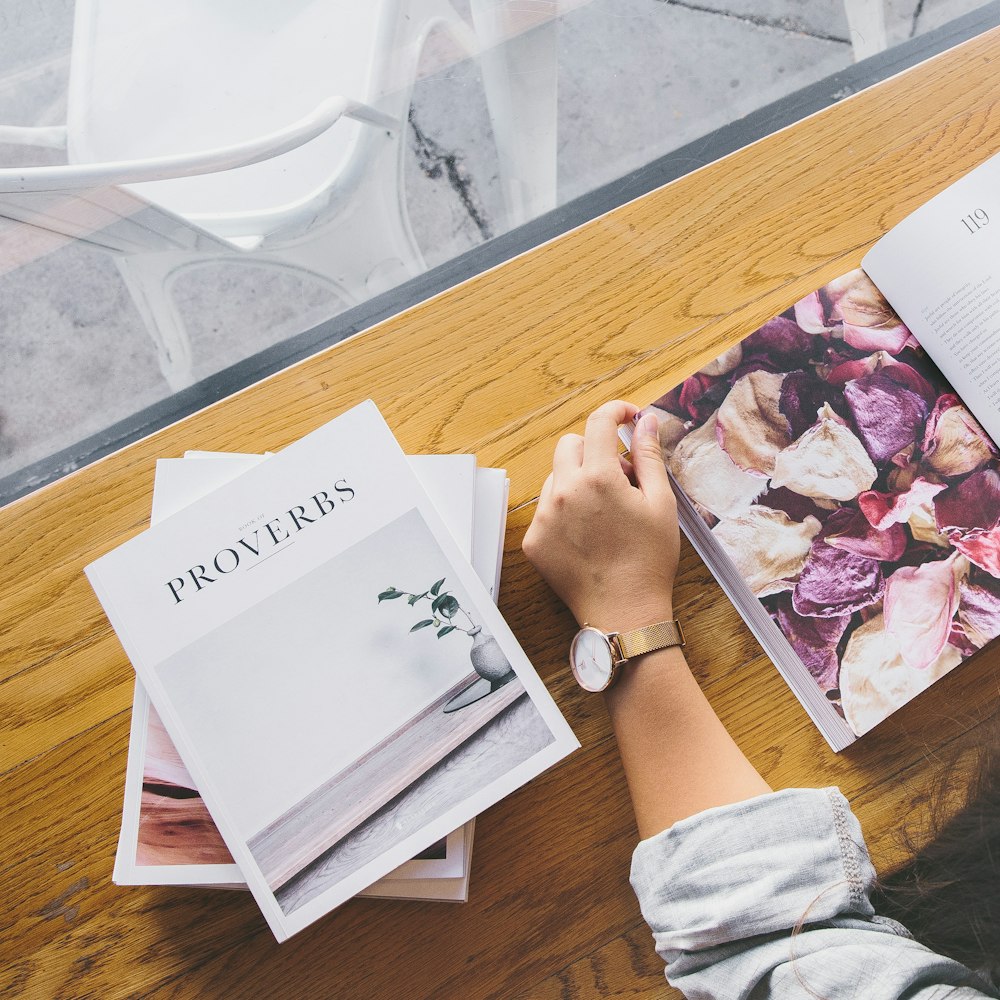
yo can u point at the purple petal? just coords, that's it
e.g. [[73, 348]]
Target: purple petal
[[796, 506], [979, 609], [803, 395], [970, 505], [835, 582], [778, 337], [815, 641], [850, 530], [888, 416]]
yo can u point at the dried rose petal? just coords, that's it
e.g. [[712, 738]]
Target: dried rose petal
[[836, 582], [979, 609], [725, 362], [696, 398], [875, 680], [883, 509], [920, 602], [850, 530], [750, 427], [954, 442], [980, 547], [969, 514], [709, 477], [922, 526], [843, 372], [875, 338], [810, 314], [796, 506], [700, 395], [777, 338], [826, 462], [767, 547], [888, 415], [959, 638], [815, 641], [972, 504], [803, 394], [869, 322]]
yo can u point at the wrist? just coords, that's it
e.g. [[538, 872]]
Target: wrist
[[623, 616]]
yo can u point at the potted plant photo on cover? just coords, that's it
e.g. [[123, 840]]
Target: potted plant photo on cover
[[486, 655]]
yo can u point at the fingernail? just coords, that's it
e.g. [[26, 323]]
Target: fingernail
[[649, 425]]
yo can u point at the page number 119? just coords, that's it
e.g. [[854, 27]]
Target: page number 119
[[976, 220]]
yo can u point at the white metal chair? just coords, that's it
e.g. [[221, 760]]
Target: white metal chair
[[266, 133]]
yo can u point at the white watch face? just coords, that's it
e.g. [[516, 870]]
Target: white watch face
[[591, 660]]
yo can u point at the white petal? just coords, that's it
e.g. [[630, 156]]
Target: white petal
[[767, 547], [827, 461], [709, 476], [875, 680]]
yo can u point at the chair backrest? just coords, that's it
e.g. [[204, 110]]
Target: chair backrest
[[149, 78]]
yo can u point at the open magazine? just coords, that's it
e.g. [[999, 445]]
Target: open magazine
[[167, 836], [837, 469], [333, 732]]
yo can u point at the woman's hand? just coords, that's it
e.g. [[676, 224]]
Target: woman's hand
[[604, 535]]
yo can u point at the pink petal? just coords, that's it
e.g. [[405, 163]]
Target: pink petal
[[866, 338], [810, 314], [980, 547], [920, 602], [883, 509]]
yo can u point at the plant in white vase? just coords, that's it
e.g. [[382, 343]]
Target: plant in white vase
[[447, 616]]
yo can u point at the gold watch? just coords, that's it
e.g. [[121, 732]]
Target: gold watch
[[595, 656]]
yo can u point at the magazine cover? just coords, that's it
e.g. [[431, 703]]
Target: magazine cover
[[853, 492], [332, 671], [167, 835]]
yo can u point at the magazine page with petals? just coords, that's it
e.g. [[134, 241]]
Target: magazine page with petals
[[275, 626], [167, 835], [846, 500]]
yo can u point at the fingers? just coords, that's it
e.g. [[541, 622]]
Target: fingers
[[647, 458], [568, 457], [601, 434], [546, 488]]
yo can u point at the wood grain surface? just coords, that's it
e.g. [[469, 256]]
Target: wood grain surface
[[501, 365]]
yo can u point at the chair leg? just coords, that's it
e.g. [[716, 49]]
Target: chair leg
[[519, 64], [866, 24], [148, 278]]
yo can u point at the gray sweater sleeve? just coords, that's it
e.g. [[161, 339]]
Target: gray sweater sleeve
[[770, 898]]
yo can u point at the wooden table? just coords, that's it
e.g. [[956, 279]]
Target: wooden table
[[500, 366]]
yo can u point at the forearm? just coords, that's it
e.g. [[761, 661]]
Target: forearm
[[678, 757]]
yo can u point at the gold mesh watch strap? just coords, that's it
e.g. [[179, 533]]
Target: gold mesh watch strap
[[652, 637]]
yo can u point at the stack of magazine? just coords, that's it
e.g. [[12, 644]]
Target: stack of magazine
[[326, 695]]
